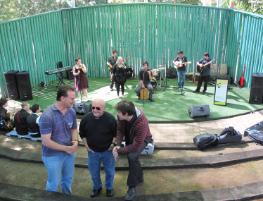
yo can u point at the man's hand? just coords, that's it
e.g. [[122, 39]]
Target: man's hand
[[73, 148], [115, 152]]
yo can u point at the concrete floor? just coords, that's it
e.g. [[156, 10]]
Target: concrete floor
[[156, 181]]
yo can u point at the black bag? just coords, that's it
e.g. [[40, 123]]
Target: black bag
[[255, 132], [204, 141], [229, 135], [2, 123]]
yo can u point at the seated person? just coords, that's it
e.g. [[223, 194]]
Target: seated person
[[144, 77], [20, 119], [32, 121], [5, 122]]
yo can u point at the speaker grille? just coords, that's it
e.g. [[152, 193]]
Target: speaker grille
[[24, 85], [11, 84], [256, 90]]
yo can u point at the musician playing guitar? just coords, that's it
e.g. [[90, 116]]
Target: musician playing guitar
[[80, 78], [203, 67], [180, 63], [111, 62]]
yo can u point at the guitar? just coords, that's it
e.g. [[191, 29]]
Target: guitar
[[180, 64], [201, 68], [241, 81]]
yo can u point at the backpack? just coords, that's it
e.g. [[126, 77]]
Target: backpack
[[2, 122], [229, 135], [206, 140]]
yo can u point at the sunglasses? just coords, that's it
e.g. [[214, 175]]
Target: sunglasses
[[97, 108]]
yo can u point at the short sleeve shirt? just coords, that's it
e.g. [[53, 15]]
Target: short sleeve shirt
[[59, 125]]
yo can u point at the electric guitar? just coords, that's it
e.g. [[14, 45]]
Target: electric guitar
[[180, 64], [241, 81], [201, 68]]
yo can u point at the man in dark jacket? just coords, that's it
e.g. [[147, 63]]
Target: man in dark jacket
[[20, 119], [132, 126], [33, 120], [204, 70]]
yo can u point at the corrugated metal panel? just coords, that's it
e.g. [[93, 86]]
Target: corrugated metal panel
[[153, 32]]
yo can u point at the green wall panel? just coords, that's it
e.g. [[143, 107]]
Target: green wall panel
[[152, 32]]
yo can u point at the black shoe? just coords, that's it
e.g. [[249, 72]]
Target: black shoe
[[130, 195], [95, 193], [109, 193], [196, 91], [150, 99], [203, 92]]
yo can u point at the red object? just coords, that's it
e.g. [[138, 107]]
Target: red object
[[242, 78]]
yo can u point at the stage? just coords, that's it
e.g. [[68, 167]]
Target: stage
[[168, 106]]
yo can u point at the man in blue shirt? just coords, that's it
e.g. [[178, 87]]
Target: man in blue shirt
[[58, 128]]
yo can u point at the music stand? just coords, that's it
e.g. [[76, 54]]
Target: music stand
[[60, 74]]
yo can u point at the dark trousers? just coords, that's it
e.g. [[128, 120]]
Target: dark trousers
[[202, 79], [112, 80], [135, 170], [118, 86]]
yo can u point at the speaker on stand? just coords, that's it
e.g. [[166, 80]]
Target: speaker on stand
[[24, 86], [11, 85], [256, 90]]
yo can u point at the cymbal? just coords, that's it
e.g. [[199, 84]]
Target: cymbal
[[161, 68]]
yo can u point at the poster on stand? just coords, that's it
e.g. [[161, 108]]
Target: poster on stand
[[220, 97]]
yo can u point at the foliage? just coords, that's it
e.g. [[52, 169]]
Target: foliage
[[255, 6]]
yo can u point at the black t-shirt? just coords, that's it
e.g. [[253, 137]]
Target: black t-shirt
[[183, 60], [144, 76], [3, 114], [99, 133], [112, 60], [32, 124], [206, 69], [20, 121]]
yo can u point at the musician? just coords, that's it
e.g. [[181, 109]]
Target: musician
[[111, 62], [80, 78], [204, 66], [144, 77], [119, 75], [180, 63]]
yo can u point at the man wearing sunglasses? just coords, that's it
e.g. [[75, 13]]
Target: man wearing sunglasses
[[98, 131], [132, 126]]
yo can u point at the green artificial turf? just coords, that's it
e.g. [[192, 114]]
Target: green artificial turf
[[169, 104]]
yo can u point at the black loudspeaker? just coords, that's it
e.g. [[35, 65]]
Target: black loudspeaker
[[11, 84], [256, 90], [59, 64], [69, 74], [24, 85], [199, 111]]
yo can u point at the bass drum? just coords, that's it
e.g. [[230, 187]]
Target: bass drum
[[129, 73], [154, 83]]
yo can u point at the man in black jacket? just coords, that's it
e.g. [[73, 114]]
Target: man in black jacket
[[20, 119], [98, 131]]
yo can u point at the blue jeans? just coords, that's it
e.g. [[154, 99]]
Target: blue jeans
[[94, 161], [181, 78], [60, 169]]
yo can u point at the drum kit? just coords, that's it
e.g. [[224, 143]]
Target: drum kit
[[158, 76]]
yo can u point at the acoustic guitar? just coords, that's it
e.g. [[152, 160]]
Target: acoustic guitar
[[201, 68], [180, 64]]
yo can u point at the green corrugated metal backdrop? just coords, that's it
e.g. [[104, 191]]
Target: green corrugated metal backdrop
[[153, 32]]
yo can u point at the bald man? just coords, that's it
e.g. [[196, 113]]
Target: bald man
[[98, 131]]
